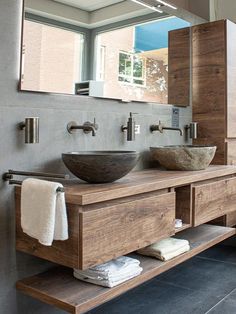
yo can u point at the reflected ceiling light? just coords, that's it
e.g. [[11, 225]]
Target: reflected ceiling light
[[167, 4], [147, 6]]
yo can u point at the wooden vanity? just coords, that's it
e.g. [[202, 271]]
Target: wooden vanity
[[110, 220]]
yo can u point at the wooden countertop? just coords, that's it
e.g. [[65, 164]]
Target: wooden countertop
[[139, 182], [149, 180]]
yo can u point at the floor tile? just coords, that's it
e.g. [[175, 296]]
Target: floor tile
[[226, 306], [159, 298], [222, 253], [200, 285], [210, 276]]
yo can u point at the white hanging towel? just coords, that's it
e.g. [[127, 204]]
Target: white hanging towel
[[43, 211]]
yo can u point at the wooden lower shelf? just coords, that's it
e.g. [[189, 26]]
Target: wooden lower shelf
[[59, 288]]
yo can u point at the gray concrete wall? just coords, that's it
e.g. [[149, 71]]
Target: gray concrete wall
[[55, 111]]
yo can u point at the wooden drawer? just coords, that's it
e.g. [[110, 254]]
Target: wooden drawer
[[212, 200], [115, 230]]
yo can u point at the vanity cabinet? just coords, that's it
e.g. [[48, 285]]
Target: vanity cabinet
[[103, 231], [110, 220], [214, 92]]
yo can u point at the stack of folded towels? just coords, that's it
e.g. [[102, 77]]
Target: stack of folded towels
[[111, 273], [166, 249]]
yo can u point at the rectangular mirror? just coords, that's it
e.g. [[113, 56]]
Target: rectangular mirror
[[109, 48]]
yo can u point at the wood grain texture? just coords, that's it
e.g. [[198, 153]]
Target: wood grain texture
[[213, 200], [59, 288], [133, 217], [139, 182], [220, 156], [179, 67], [116, 230], [209, 84], [65, 253], [184, 204]]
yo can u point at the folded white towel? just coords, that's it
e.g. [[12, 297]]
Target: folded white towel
[[111, 273], [43, 211], [116, 275], [116, 265], [105, 282], [166, 249]]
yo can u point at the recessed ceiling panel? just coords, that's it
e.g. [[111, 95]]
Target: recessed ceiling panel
[[90, 5]]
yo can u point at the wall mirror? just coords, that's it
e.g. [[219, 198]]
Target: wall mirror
[[107, 48]]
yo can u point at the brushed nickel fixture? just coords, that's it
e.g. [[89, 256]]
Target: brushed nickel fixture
[[193, 130], [130, 128], [160, 127], [31, 127], [87, 127], [8, 176]]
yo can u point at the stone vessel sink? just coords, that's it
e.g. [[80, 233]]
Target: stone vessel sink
[[183, 157], [100, 166]]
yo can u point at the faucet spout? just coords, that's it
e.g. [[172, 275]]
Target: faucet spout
[[87, 127], [174, 129], [91, 128], [160, 127]]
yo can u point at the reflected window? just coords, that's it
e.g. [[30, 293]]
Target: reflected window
[[51, 58], [136, 63], [131, 68]]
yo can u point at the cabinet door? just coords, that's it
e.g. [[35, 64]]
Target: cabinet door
[[179, 67], [115, 230], [209, 73], [213, 200]]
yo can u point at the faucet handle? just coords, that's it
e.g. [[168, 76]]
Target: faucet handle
[[132, 113], [94, 124], [160, 126]]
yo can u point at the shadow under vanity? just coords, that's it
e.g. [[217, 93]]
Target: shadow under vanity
[[110, 220]]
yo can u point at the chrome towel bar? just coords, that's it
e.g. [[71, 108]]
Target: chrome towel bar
[[8, 176]]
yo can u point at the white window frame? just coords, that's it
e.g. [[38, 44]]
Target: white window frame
[[131, 77]]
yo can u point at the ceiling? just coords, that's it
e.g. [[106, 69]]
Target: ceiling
[[89, 5]]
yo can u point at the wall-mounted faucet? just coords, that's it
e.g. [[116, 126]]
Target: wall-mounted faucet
[[160, 127], [130, 128], [31, 127], [87, 127], [193, 130]]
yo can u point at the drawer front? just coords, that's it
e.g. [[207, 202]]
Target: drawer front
[[213, 200], [123, 228]]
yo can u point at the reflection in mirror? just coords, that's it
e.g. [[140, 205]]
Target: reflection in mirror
[[112, 49], [52, 58], [133, 61]]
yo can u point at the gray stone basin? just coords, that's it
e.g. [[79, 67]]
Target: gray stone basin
[[100, 166], [183, 157]]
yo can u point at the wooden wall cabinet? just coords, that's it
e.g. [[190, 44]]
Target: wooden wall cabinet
[[179, 67], [213, 89]]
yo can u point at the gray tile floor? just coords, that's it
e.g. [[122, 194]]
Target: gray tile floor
[[205, 284]]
